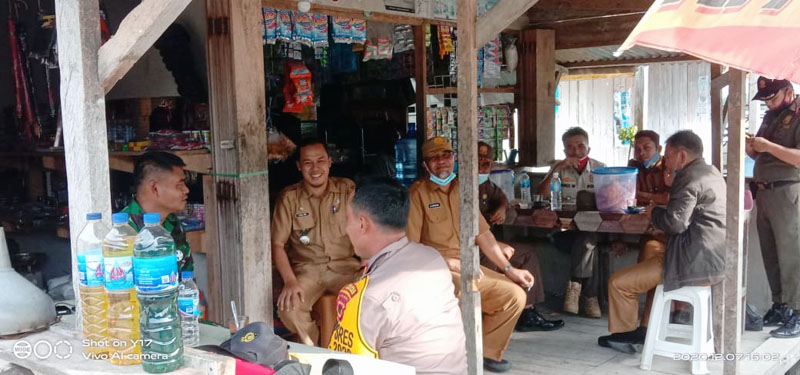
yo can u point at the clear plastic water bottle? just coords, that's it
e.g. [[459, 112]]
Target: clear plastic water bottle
[[155, 266], [555, 193], [189, 308], [94, 303], [123, 307], [525, 187]]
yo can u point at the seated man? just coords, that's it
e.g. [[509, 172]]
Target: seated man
[[575, 173], [433, 220], [160, 184], [694, 222], [404, 308], [493, 205], [310, 247]]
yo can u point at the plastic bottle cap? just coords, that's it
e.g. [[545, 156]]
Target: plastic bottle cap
[[152, 218], [94, 216], [119, 217], [555, 174], [185, 275]]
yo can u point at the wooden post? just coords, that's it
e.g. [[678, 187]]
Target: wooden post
[[216, 305], [717, 125], [468, 182], [84, 118], [537, 86], [237, 99], [421, 76], [734, 221], [640, 97]]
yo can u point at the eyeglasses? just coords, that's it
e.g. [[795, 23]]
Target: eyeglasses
[[442, 156]]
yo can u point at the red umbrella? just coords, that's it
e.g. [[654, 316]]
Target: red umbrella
[[756, 36]]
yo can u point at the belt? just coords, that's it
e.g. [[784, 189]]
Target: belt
[[760, 185]]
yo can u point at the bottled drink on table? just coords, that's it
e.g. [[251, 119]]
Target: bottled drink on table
[[189, 308], [155, 266], [123, 307], [93, 297], [555, 193], [525, 187]]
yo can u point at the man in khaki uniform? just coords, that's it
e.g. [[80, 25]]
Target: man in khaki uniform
[[433, 220], [404, 308], [310, 246], [776, 182]]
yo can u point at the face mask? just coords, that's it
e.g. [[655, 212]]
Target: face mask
[[443, 182], [483, 177], [652, 161]]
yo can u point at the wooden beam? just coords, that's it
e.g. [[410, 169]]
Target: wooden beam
[[421, 78], [605, 31], [640, 97], [481, 90], [720, 81], [626, 62], [84, 118], [216, 304], [537, 87], [332, 10], [498, 17], [468, 183], [616, 5], [717, 124], [538, 15], [239, 134], [135, 35], [734, 221]]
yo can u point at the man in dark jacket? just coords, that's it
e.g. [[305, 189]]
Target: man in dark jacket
[[694, 222]]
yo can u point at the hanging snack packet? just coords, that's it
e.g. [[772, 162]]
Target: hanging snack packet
[[403, 38], [370, 51], [384, 48], [358, 30], [297, 89], [319, 36], [279, 146], [284, 21], [269, 22], [341, 30], [445, 41], [303, 28], [491, 60]]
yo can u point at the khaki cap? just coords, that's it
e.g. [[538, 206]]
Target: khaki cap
[[435, 145]]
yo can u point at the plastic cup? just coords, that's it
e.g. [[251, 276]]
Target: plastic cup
[[243, 320]]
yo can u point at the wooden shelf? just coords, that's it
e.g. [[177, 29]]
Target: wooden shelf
[[487, 90], [196, 160]]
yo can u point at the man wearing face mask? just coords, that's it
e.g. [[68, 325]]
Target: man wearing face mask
[[310, 247], [433, 220], [575, 173], [776, 185], [694, 222], [493, 206]]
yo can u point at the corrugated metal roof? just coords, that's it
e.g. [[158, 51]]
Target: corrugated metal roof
[[606, 53]]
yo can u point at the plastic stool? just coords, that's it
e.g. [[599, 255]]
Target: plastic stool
[[699, 333]]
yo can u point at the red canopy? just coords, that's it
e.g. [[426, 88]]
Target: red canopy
[[762, 36]]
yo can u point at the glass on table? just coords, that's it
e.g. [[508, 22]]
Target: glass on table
[[242, 321]]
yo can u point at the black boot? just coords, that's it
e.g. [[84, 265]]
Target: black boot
[[530, 320], [789, 329], [777, 315], [626, 342]]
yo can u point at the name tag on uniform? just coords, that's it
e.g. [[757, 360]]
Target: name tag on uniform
[[434, 205], [302, 214]]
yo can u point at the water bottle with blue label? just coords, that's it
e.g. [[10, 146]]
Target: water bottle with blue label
[[189, 308], [155, 266], [555, 193]]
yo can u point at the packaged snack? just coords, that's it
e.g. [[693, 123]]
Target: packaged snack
[[491, 60], [297, 89], [358, 31], [370, 51], [403, 38], [279, 146], [269, 24], [284, 21], [319, 36], [303, 28], [341, 30], [445, 41]]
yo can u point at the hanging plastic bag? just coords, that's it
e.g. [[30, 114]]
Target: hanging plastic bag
[[284, 26], [320, 33], [358, 30], [279, 146], [341, 30], [297, 89], [269, 23], [303, 28], [403, 38]]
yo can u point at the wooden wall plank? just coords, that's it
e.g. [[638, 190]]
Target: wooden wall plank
[[84, 118], [216, 305], [421, 77], [716, 120]]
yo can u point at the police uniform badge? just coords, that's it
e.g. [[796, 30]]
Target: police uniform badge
[[787, 121]]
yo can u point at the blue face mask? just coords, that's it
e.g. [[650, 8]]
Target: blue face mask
[[483, 177], [443, 182], [652, 161]]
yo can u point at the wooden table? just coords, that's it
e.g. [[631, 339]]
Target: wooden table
[[586, 221]]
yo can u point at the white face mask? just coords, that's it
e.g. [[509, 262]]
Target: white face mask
[[443, 181], [483, 177]]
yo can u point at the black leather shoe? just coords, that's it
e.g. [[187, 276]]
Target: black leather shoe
[[777, 315], [789, 329], [530, 321], [626, 342], [496, 366]]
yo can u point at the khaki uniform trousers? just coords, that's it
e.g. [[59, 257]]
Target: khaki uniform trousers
[[779, 235], [315, 280], [502, 302], [626, 284], [524, 258]]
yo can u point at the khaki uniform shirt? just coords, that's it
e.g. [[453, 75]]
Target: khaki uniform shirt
[[572, 182], [409, 312], [323, 219], [783, 128], [650, 180], [490, 197], [433, 218]]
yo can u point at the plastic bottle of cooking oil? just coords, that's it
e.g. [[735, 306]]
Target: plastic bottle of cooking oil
[[123, 307], [93, 296]]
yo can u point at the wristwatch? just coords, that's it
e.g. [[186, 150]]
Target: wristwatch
[[506, 268]]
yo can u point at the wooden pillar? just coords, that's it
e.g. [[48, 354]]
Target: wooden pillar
[[237, 100], [734, 220], [468, 182], [537, 116], [421, 76], [640, 97], [216, 306], [717, 124], [84, 118]]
